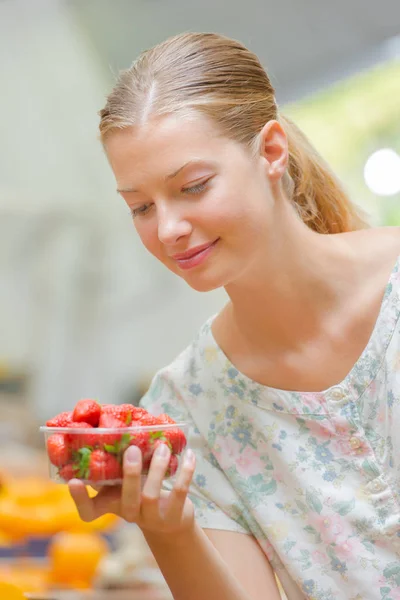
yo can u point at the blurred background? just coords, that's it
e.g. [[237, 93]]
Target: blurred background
[[84, 310]]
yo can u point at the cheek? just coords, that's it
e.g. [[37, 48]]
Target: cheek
[[148, 235]]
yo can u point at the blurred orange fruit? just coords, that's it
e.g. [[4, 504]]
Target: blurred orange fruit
[[11, 591], [35, 507], [74, 558]]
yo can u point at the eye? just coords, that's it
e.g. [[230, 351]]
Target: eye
[[196, 189], [141, 210]]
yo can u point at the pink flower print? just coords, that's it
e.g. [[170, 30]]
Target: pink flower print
[[278, 476], [342, 430], [263, 448], [313, 401], [226, 450], [320, 558], [381, 543], [332, 528], [322, 429], [395, 593], [382, 415], [346, 446], [249, 463], [350, 548]]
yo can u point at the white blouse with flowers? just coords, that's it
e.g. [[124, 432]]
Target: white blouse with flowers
[[314, 477]]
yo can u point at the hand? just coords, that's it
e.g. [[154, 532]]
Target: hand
[[154, 510]]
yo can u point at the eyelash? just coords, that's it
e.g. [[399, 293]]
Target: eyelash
[[195, 189], [142, 210]]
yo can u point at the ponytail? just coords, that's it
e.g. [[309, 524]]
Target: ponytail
[[318, 195]]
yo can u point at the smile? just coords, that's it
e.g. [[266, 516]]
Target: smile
[[194, 260]]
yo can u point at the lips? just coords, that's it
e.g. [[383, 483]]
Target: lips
[[193, 252]]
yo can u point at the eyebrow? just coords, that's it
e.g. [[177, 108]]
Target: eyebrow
[[171, 175]]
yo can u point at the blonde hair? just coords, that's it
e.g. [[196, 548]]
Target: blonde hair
[[222, 79]]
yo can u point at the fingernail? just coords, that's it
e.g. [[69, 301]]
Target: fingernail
[[189, 457], [162, 450], [132, 454]]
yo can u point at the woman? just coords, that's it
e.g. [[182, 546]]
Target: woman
[[292, 389]]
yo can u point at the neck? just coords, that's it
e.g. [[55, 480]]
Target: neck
[[292, 287]]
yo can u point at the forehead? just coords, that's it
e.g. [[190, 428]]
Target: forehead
[[162, 145]]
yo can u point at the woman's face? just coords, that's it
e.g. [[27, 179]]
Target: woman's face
[[200, 203]]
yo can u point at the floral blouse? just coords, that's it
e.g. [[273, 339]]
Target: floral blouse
[[313, 476]]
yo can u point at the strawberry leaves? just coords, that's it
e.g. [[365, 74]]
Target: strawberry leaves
[[83, 465], [120, 445]]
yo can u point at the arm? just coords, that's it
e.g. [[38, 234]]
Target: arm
[[215, 565]]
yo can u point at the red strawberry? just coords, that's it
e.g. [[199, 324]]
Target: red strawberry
[[152, 447], [160, 440], [123, 412], [80, 440], [173, 466], [146, 465], [164, 418], [174, 435], [88, 411], [58, 450], [103, 466], [64, 419], [139, 412], [68, 472], [141, 439], [149, 419], [176, 438], [111, 421], [113, 442]]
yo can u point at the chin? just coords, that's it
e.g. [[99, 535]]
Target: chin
[[203, 283]]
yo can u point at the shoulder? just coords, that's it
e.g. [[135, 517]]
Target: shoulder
[[180, 384], [379, 242], [377, 252]]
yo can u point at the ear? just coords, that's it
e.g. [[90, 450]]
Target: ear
[[274, 150]]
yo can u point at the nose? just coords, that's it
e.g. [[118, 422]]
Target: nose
[[172, 226]]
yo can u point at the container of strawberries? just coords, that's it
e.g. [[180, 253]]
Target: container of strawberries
[[89, 442]]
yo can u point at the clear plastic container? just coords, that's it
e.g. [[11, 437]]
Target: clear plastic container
[[94, 455]]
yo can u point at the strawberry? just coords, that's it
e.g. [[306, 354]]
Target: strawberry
[[123, 412], [164, 418], [176, 438], [109, 421], [158, 441], [148, 419], [174, 435], [64, 419], [87, 411], [68, 472], [98, 465], [79, 440], [113, 442], [58, 450], [138, 413], [141, 439], [173, 466], [146, 465]]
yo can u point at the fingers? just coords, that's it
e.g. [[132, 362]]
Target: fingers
[[152, 487], [180, 490], [89, 509], [83, 502], [131, 486], [130, 501]]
